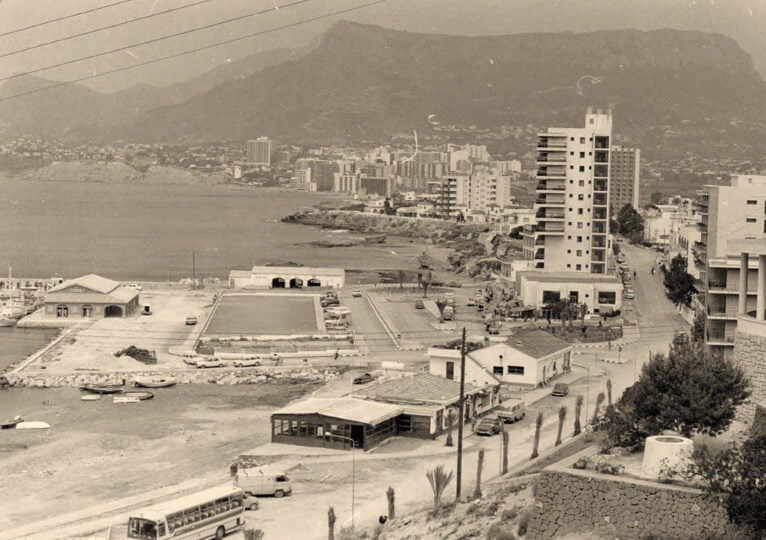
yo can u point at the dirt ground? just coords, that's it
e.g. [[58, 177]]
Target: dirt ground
[[98, 451]]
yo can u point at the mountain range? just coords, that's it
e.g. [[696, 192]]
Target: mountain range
[[364, 82]]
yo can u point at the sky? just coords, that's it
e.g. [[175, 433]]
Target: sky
[[744, 20]]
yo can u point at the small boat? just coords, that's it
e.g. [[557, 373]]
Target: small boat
[[123, 399], [90, 397], [102, 388], [139, 395], [154, 382], [32, 425], [12, 424], [4, 323]]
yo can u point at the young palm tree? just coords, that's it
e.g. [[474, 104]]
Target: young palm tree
[[439, 481], [538, 427], [505, 452], [450, 424], [578, 410], [599, 401], [562, 417], [391, 496], [331, 523], [609, 391], [479, 466]]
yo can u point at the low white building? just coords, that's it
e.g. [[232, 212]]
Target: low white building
[[286, 277], [529, 358], [601, 293]]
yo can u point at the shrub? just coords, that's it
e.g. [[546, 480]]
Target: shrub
[[523, 525], [604, 467], [509, 514], [499, 531]]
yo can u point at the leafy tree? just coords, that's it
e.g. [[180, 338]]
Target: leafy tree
[[698, 328], [679, 283], [689, 390], [388, 209], [630, 223]]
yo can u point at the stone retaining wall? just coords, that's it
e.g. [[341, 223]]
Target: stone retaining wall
[[182, 376], [570, 501]]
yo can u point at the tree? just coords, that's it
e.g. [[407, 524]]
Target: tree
[[698, 327], [506, 440], [689, 390], [388, 209], [657, 198], [578, 410], [599, 401], [391, 496], [426, 284], [441, 304], [609, 391], [331, 523], [479, 466], [253, 534], [679, 283], [630, 223], [401, 274], [450, 424], [538, 427], [439, 481], [562, 417]]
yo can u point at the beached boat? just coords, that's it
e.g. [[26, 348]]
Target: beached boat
[[154, 382], [102, 388], [140, 395], [90, 397], [123, 399], [12, 424], [32, 425]]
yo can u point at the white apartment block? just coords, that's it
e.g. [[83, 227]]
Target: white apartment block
[[729, 214], [572, 203], [624, 175], [345, 183], [259, 151], [475, 192]]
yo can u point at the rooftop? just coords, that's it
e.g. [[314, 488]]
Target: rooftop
[[91, 281], [298, 269], [569, 277], [98, 289], [345, 408], [421, 388]]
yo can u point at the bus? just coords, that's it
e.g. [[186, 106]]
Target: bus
[[212, 513]]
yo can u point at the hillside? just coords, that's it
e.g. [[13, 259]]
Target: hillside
[[365, 83], [119, 173]]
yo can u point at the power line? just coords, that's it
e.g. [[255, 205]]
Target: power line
[[111, 26], [65, 17], [191, 51], [155, 40]]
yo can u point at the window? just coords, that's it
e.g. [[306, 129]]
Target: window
[[579, 211], [450, 374], [750, 220], [516, 370], [582, 139], [582, 168], [579, 238], [578, 267], [752, 202], [569, 251], [580, 197], [579, 253], [497, 370], [551, 296], [569, 266], [607, 297], [579, 224], [581, 183], [582, 154]]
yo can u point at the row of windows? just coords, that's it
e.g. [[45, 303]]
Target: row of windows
[[512, 370], [203, 511]]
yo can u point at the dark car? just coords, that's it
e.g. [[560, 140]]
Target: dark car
[[329, 302], [489, 426], [419, 304], [363, 379], [560, 389]]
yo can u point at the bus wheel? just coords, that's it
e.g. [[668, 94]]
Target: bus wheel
[[279, 493], [220, 533]]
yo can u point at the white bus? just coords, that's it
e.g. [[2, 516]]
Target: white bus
[[212, 513]]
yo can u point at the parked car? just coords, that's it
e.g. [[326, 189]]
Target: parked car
[[136, 286], [363, 379], [247, 362], [251, 502], [471, 302], [259, 483], [489, 425], [454, 284], [419, 304], [560, 389], [356, 294], [329, 302], [629, 295], [209, 362], [493, 330], [515, 410], [191, 321]]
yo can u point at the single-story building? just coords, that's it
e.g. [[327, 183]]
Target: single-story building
[[286, 277], [90, 296], [602, 293], [529, 358], [414, 406]]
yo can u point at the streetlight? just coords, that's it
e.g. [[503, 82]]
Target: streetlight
[[353, 469]]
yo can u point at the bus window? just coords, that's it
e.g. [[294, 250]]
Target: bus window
[[141, 528]]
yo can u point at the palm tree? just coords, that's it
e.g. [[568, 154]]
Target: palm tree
[[450, 424], [609, 391], [439, 481], [578, 410], [331, 523], [599, 401], [479, 466], [562, 417], [505, 452], [401, 279], [391, 496], [538, 427]]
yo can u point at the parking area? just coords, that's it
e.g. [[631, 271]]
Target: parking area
[[249, 314]]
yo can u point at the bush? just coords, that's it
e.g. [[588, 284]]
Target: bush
[[604, 467], [523, 525], [509, 514], [499, 531]]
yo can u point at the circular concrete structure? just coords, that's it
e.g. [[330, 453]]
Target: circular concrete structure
[[666, 452]]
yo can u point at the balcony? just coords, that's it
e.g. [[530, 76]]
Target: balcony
[[601, 142], [599, 255], [546, 200], [599, 228], [551, 185], [599, 213], [599, 242], [720, 338], [601, 156], [551, 172], [552, 142], [720, 312], [552, 157], [550, 213], [601, 171], [600, 185], [550, 228], [540, 256], [599, 199]]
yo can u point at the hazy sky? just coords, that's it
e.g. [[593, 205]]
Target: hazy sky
[[741, 19]]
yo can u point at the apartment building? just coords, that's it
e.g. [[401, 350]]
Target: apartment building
[[475, 192], [572, 202], [259, 151], [729, 214], [624, 175]]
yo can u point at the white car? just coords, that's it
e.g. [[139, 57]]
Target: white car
[[356, 294], [247, 362], [209, 363], [136, 286]]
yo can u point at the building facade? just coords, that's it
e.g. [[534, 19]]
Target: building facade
[[88, 297], [624, 177], [572, 202], [473, 192], [286, 277], [259, 151], [728, 214]]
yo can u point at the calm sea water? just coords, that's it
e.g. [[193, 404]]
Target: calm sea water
[[140, 232], [16, 343]]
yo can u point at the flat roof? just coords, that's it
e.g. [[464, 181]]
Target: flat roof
[[164, 508], [345, 408], [421, 388], [569, 277], [298, 270]]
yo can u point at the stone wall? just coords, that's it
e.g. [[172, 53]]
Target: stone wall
[[571, 501], [750, 354], [182, 376]]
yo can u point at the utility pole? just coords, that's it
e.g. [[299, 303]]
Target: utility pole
[[194, 272], [461, 419]]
